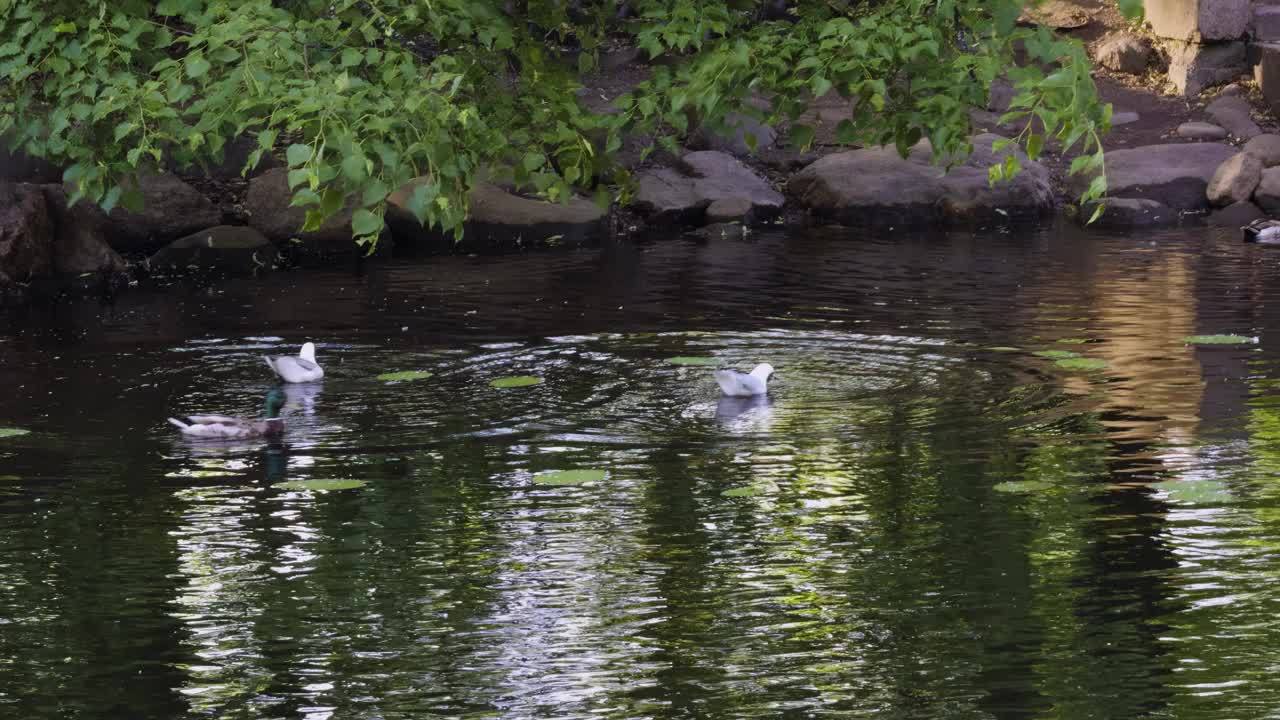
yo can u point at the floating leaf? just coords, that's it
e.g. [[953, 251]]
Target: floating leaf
[[1217, 340], [12, 432], [202, 474], [404, 375], [1196, 492], [748, 490], [1072, 341], [1003, 348], [1056, 354], [1018, 486], [320, 485], [569, 477], [1081, 364], [700, 361], [517, 381]]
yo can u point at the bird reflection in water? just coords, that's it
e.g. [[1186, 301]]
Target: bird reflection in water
[[745, 414]]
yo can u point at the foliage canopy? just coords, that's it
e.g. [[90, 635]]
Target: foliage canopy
[[360, 96]]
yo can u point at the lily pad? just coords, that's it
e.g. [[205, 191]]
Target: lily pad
[[12, 432], [517, 381], [1217, 340], [1072, 341], [569, 477], [1020, 486], [1081, 364], [1196, 492], [320, 485], [1056, 354], [748, 490], [697, 361], [404, 375], [1004, 348]]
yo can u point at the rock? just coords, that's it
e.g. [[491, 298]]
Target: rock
[[270, 213], [1232, 113], [1001, 96], [722, 231], [503, 221], [1267, 73], [736, 209], [1198, 20], [1175, 174], [1236, 215], [235, 154], [226, 249], [1123, 53], [733, 138], [171, 208], [1266, 23], [877, 187], [1266, 148], [17, 166], [1267, 195], [1234, 180], [1194, 67], [1201, 131], [1123, 118], [80, 245], [26, 240], [1056, 15], [1129, 213], [683, 192]]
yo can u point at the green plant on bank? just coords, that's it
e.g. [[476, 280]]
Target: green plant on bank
[[360, 96]]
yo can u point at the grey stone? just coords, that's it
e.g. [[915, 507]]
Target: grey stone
[[500, 220], [80, 245], [1266, 148], [876, 186], [683, 192], [1123, 53], [1194, 67], [17, 166], [170, 209], [1236, 215], [26, 239], [225, 249], [1129, 213], [1232, 113], [1234, 180], [1123, 118], [1267, 73], [736, 209], [1266, 23], [267, 203], [732, 138], [1000, 96], [1198, 20], [1176, 174], [1267, 196], [1201, 131]]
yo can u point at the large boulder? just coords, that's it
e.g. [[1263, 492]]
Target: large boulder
[[1267, 196], [1234, 180], [1236, 215], [1176, 175], [171, 208], [81, 253], [877, 186], [1233, 113], [1266, 148], [17, 166], [26, 239], [227, 249], [1130, 213], [270, 213], [682, 193], [1194, 67], [501, 220], [1123, 53], [733, 137]]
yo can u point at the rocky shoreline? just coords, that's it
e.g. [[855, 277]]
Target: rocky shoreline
[[1173, 157]]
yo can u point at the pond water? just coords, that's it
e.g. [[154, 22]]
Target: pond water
[[925, 520]]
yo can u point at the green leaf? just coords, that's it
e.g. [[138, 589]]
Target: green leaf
[[8, 432], [517, 381], [586, 62], [802, 136], [698, 361], [352, 57], [569, 477], [533, 160], [298, 177], [1022, 486], [1056, 354], [1034, 143], [64, 27], [1218, 340], [354, 167], [404, 376], [364, 222], [267, 139], [1081, 364], [123, 129], [297, 154], [197, 66], [320, 485]]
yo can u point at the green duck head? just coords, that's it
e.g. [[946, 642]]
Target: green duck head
[[275, 403]]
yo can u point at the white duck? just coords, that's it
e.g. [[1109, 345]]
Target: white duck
[[298, 368], [740, 384]]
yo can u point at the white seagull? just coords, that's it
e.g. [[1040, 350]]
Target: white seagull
[[298, 368], [740, 384]]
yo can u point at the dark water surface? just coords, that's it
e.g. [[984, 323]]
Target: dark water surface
[[922, 523]]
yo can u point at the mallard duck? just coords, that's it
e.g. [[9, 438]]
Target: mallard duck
[[222, 426], [1266, 232], [298, 368], [739, 384]]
